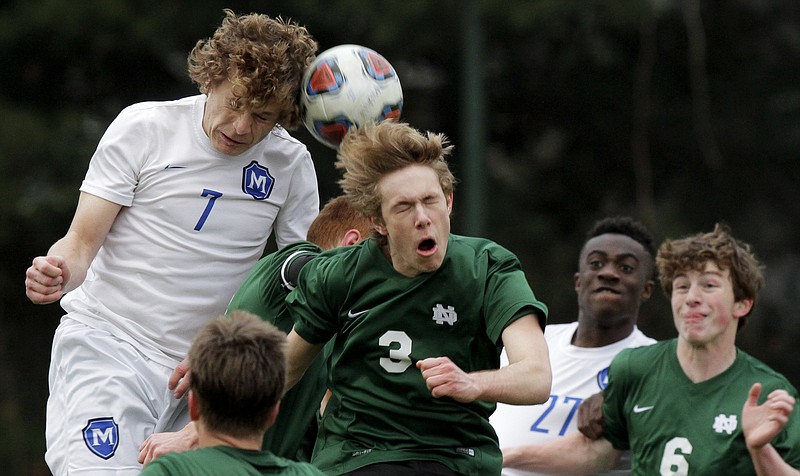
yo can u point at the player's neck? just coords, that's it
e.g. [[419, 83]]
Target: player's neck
[[209, 438], [701, 363], [590, 334]]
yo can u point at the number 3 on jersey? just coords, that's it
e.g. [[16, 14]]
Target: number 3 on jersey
[[399, 357]]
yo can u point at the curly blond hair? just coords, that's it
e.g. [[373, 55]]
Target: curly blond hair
[[264, 58], [371, 151], [722, 249]]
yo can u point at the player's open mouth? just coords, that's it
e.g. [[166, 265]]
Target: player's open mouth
[[427, 247]]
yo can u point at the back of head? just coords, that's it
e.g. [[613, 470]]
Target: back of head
[[371, 151], [264, 58], [334, 220], [722, 249], [238, 373], [626, 226]]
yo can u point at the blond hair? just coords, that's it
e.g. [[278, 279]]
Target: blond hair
[[368, 153]]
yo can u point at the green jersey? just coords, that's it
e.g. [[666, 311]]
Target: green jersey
[[263, 293], [677, 427], [216, 460], [382, 323]]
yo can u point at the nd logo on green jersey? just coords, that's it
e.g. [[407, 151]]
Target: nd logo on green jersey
[[444, 315]]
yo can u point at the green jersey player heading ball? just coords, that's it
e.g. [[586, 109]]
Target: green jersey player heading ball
[[418, 317]]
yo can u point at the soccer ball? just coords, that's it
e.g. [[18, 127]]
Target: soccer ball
[[347, 86]]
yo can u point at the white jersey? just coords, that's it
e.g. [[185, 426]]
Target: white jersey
[[193, 223], [578, 373]]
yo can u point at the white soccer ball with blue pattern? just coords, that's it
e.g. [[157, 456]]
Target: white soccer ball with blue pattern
[[347, 86]]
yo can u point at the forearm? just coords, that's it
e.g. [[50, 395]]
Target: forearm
[[87, 232], [299, 355], [526, 382], [573, 454], [768, 462], [77, 256]]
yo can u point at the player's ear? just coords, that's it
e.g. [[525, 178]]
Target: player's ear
[[647, 290], [273, 414], [352, 237], [450, 202], [377, 223], [742, 308], [194, 410]]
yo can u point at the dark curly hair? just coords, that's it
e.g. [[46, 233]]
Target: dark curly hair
[[264, 59]]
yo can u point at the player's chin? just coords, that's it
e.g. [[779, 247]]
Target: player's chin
[[431, 263]]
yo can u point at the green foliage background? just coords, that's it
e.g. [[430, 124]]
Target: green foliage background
[[681, 113]]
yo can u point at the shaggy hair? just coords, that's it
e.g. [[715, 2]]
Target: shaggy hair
[[368, 153], [264, 59], [722, 249]]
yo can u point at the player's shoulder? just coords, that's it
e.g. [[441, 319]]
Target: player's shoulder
[[154, 107], [477, 246], [301, 246], [644, 356], [281, 141], [336, 263], [293, 258], [150, 114], [757, 370]]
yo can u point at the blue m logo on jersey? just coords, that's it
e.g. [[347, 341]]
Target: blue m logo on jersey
[[101, 436], [602, 378], [257, 181]]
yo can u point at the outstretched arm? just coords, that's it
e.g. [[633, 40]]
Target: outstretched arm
[[525, 381], [572, 454], [64, 268], [760, 424]]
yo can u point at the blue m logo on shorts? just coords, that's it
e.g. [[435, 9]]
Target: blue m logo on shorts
[[101, 435], [257, 181]]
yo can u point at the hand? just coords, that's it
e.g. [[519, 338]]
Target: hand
[[761, 423], [590, 417], [45, 279], [180, 379], [446, 379], [159, 444]]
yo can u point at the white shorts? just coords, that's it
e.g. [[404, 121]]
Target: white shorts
[[106, 397]]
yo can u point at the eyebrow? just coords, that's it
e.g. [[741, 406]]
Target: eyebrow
[[619, 256]]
